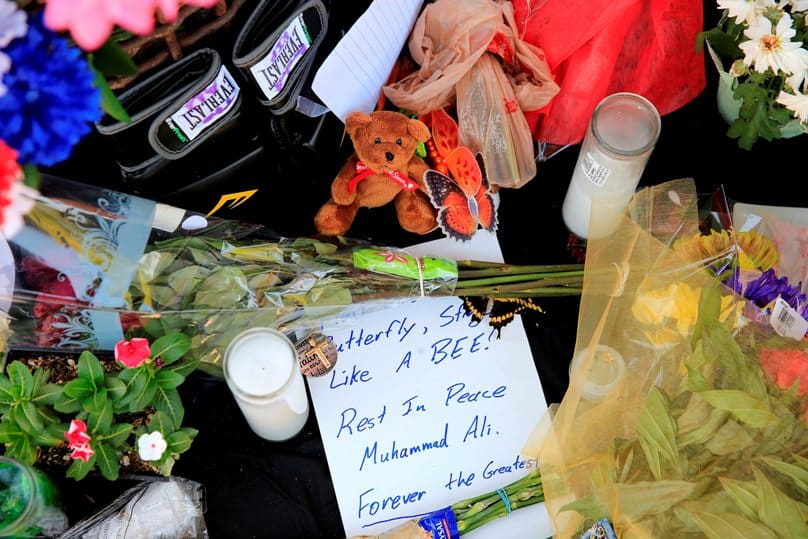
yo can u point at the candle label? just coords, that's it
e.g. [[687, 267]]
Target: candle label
[[317, 354], [597, 173]]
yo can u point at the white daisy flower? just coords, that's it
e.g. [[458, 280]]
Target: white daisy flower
[[796, 5], [151, 446], [745, 10], [774, 49], [797, 103]]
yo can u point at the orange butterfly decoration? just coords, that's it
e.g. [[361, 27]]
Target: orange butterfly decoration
[[457, 186]]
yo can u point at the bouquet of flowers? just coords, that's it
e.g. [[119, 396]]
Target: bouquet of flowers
[[97, 266], [685, 416], [764, 93]]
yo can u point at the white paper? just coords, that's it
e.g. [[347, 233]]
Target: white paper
[[351, 77], [392, 384]]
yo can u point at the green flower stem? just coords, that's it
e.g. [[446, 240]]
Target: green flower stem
[[472, 269], [561, 277], [472, 513], [497, 291]]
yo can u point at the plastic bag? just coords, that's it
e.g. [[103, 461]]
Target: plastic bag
[[95, 266], [160, 509], [683, 416], [449, 40]]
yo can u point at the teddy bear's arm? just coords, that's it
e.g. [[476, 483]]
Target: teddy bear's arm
[[416, 170], [340, 192]]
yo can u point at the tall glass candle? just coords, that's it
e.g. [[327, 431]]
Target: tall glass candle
[[619, 140], [262, 371], [29, 502]]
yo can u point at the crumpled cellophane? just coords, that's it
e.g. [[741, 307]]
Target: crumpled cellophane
[[450, 42], [645, 435]]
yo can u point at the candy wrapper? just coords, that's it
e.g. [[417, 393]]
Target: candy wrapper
[[684, 416]]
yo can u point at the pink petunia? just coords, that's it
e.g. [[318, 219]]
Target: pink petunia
[[90, 22], [132, 353]]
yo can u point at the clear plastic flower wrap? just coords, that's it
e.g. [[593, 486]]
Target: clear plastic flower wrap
[[92, 266], [684, 418]]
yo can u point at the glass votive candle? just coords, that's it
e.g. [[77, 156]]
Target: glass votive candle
[[604, 370], [619, 140], [29, 502], [262, 371]]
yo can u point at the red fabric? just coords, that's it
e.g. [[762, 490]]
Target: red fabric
[[599, 47]]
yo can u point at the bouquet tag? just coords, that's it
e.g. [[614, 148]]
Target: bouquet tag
[[786, 321]]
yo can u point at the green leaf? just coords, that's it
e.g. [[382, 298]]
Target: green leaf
[[170, 348], [795, 473], [185, 280], [31, 176], [67, 404], [117, 434], [730, 438], [79, 389], [753, 117], [90, 369], [22, 449], [656, 428], [100, 420], [116, 389], [167, 379], [20, 376], [743, 493], [777, 510], [135, 380], [695, 379], [184, 367], [107, 458], [644, 498], [51, 436], [98, 402], [703, 433], [709, 310], [724, 44], [752, 411], [48, 395], [112, 61], [79, 469], [168, 402], [7, 396], [32, 417], [146, 397], [178, 442], [731, 526], [696, 413], [166, 466], [10, 431], [160, 421], [590, 508], [224, 287], [109, 101]]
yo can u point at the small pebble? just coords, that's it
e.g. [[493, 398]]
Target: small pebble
[[71, 362], [125, 460]]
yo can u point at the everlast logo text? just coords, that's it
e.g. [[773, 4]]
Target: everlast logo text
[[282, 57], [210, 104]]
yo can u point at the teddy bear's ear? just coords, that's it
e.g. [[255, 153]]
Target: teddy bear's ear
[[419, 130], [356, 120]]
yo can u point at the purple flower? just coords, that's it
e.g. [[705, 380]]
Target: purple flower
[[767, 287]]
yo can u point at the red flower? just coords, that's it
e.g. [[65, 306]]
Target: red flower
[[77, 433], [83, 452], [786, 367], [132, 353], [10, 170]]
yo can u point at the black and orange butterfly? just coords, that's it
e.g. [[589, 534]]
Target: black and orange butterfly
[[458, 188]]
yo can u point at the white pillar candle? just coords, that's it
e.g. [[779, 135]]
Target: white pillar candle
[[620, 138], [262, 371]]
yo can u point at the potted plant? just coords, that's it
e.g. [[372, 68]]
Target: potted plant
[[124, 412]]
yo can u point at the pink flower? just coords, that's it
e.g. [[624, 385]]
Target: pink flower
[[83, 452], [132, 353], [77, 433], [79, 441], [91, 21]]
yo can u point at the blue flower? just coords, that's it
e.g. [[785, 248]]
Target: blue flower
[[51, 100]]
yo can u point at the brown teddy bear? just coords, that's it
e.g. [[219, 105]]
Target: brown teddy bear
[[383, 168]]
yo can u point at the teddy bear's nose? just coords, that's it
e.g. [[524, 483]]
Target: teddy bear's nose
[[389, 156]]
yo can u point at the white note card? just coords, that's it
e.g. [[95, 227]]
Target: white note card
[[425, 408], [350, 79]]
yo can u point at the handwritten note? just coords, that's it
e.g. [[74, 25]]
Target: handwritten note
[[351, 77], [426, 407]]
